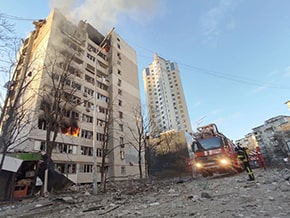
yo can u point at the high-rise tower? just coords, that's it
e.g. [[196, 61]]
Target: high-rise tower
[[165, 98], [95, 78]]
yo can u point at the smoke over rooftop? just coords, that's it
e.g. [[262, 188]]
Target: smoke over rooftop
[[104, 14]]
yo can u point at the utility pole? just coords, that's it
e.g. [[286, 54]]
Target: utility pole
[[95, 182]]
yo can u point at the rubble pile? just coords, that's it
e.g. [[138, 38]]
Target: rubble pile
[[220, 196]]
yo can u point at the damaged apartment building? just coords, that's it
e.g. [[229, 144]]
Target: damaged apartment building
[[99, 66]]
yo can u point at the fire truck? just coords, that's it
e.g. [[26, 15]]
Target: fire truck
[[214, 152]]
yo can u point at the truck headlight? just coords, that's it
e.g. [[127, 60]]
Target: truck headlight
[[224, 161], [198, 165]]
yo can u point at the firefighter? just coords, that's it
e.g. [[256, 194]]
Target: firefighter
[[243, 156]]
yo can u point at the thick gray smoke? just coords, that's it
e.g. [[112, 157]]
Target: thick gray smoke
[[104, 14]]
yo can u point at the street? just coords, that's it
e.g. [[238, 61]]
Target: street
[[218, 196]]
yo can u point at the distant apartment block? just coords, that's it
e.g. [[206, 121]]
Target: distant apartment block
[[273, 138], [166, 103], [267, 137], [248, 141], [111, 71]]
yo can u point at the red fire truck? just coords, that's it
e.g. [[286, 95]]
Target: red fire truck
[[214, 152]]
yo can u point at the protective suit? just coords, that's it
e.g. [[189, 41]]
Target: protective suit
[[243, 156]]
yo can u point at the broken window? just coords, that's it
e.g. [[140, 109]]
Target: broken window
[[87, 151], [86, 134], [86, 168], [100, 137], [89, 79], [123, 170], [101, 123], [87, 118], [122, 142], [92, 58], [42, 124], [119, 82], [66, 168], [65, 148], [119, 91], [103, 98], [76, 86]]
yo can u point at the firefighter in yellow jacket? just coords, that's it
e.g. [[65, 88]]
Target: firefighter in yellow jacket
[[243, 156]]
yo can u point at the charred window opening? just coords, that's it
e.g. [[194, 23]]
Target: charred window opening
[[71, 98], [103, 56], [70, 127], [71, 114], [42, 124], [66, 168], [42, 146], [45, 106]]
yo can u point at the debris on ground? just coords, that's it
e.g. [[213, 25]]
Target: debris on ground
[[228, 196]]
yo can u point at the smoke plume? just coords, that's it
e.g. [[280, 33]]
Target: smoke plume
[[104, 14]]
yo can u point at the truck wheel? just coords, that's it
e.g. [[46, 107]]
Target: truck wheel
[[204, 174]]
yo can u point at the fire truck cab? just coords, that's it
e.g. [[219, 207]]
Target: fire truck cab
[[214, 152]]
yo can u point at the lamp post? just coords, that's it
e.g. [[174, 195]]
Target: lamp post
[[95, 182]]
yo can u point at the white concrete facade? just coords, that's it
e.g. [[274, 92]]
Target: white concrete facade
[[165, 97], [117, 90]]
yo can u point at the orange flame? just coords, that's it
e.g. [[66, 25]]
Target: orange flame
[[106, 48], [73, 131]]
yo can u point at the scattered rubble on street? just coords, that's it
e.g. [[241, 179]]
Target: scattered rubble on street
[[219, 196]]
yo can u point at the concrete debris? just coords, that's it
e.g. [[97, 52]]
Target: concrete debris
[[205, 195], [228, 196]]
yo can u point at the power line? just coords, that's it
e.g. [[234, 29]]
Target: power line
[[12, 17], [221, 75], [234, 78], [197, 69]]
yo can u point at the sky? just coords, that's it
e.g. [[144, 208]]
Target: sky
[[233, 55]]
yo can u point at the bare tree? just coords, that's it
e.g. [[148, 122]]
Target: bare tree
[[140, 138], [7, 37], [106, 137], [9, 42], [14, 116], [139, 141], [171, 156], [167, 144], [106, 124], [58, 99]]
